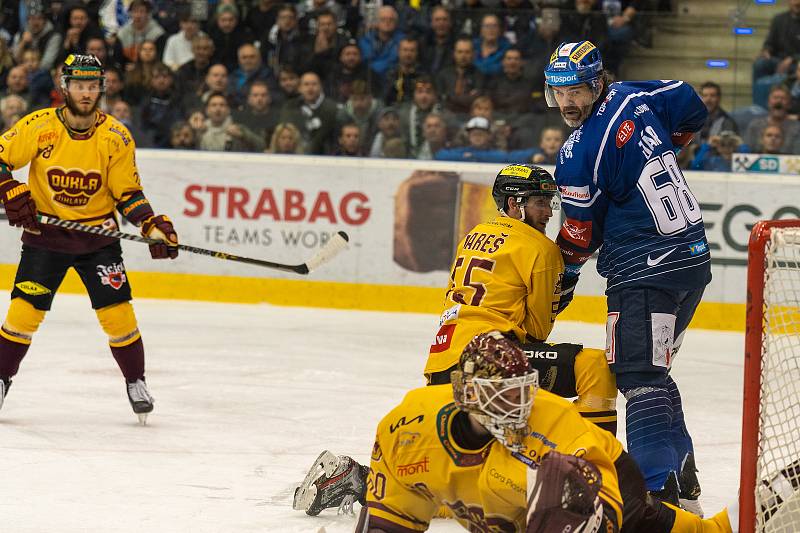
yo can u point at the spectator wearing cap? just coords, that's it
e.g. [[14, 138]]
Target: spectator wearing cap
[[412, 114], [437, 45], [379, 45], [228, 35], [400, 81], [361, 109], [434, 132], [458, 85], [388, 130], [490, 46], [313, 114], [140, 28], [282, 45], [349, 69], [190, 75], [79, 29], [257, 113], [39, 34], [718, 119], [513, 92], [778, 104], [178, 49], [249, 70], [220, 133], [479, 148], [323, 45]]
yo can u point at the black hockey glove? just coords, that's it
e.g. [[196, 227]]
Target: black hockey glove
[[568, 284]]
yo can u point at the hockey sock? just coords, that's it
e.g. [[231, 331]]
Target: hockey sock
[[681, 440], [130, 359], [11, 354], [648, 421]]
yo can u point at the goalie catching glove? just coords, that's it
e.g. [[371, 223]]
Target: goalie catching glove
[[160, 227], [565, 496], [20, 207]]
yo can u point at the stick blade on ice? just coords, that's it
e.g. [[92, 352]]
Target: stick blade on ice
[[332, 248]]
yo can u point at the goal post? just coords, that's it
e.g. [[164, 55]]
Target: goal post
[[771, 400]]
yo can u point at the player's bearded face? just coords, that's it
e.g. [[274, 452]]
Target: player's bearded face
[[539, 210], [575, 103], [83, 97]]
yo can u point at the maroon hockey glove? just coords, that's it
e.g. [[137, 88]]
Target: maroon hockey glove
[[20, 207], [565, 496], [160, 227]]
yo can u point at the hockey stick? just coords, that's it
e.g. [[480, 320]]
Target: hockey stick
[[331, 249]]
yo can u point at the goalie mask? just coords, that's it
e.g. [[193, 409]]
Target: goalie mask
[[495, 385]]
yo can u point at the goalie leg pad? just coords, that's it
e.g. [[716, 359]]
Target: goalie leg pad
[[331, 482]]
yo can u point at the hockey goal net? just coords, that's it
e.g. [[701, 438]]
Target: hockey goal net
[[770, 475]]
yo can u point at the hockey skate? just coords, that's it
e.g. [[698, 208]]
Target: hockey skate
[[331, 482], [4, 386], [690, 487], [141, 401]]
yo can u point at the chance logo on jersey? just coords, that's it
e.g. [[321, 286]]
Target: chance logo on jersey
[[73, 188]]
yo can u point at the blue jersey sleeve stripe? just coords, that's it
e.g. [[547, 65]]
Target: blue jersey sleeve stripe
[[616, 115], [577, 203]]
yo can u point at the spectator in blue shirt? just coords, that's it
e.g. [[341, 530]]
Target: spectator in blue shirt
[[379, 46], [480, 150], [490, 46]]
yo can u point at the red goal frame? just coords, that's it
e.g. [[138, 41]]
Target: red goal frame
[[754, 336]]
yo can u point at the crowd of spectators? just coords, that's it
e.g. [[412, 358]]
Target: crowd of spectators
[[458, 79], [771, 125]]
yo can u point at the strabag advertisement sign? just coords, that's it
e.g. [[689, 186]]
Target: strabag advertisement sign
[[404, 218]]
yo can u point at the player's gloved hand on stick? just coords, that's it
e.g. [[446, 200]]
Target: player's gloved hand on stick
[[20, 207], [565, 496], [568, 284], [160, 227]]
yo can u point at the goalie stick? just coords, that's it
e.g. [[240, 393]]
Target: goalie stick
[[331, 249]]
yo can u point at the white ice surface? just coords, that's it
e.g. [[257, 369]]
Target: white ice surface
[[246, 397]]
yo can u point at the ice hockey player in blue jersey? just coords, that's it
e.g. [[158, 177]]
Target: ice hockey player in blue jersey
[[623, 193]]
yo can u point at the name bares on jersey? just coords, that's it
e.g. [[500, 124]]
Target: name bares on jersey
[[506, 277], [417, 466], [79, 176], [626, 193]]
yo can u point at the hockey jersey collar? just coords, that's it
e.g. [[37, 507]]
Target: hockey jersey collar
[[100, 117]]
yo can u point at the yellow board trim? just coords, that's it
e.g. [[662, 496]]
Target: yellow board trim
[[338, 295]]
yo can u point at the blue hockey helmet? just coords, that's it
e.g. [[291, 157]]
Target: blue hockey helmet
[[573, 64]]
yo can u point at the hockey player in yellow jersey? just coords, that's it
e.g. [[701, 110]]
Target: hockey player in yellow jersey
[[82, 168], [506, 457], [506, 276]]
